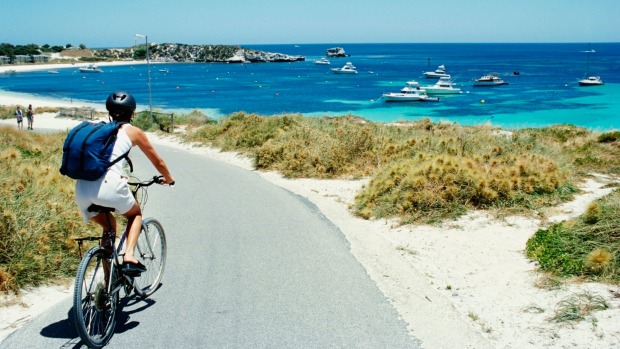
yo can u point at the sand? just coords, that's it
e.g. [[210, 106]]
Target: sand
[[463, 284]]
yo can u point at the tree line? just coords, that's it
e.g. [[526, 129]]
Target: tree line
[[11, 50]]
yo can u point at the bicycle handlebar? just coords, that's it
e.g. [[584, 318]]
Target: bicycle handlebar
[[155, 179]]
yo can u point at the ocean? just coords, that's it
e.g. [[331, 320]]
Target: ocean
[[545, 91]]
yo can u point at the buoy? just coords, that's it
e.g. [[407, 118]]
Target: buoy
[[177, 87], [482, 101], [277, 94]]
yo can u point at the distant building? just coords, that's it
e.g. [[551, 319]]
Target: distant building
[[25, 59]]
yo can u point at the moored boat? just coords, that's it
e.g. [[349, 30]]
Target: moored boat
[[443, 86], [410, 93], [91, 68], [591, 81], [323, 61], [348, 68], [489, 80], [440, 72]]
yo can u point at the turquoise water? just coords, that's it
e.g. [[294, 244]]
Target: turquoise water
[[544, 93]]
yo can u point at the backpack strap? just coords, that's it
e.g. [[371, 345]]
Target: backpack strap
[[124, 156]]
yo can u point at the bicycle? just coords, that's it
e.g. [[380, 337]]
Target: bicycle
[[100, 276]]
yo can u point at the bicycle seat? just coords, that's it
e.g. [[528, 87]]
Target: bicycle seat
[[100, 209]]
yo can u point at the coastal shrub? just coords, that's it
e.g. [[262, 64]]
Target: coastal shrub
[[437, 186], [38, 217], [448, 168], [587, 246], [609, 137], [579, 148]]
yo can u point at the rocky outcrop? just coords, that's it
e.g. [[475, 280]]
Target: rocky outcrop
[[201, 53], [336, 52]]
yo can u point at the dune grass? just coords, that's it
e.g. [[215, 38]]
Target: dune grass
[[38, 217], [421, 171]]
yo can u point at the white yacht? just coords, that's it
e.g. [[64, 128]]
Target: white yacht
[[440, 72], [443, 86], [91, 68], [489, 80], [348, 68], [410, 93], [591, 81], [323, 61]]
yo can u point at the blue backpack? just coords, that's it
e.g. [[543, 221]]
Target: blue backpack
[[88, 148]]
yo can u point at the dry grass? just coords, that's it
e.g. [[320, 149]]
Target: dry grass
[[37, 215]]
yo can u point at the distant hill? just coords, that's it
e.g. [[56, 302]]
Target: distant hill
[[196, 53]]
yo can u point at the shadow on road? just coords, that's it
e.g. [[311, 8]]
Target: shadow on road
[[66, 328]]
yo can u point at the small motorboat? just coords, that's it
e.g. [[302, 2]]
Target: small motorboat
[[410, 93], [348, 68], [591, 81], [489, 80], [323, 61], [91, 68], [440, 72], [53, 72]]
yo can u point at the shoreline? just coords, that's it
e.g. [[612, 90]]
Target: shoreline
[[460, 284], [22, 68]]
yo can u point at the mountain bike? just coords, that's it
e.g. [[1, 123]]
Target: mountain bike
[[101, 278]]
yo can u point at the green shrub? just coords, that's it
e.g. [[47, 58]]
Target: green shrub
[[587, 246]]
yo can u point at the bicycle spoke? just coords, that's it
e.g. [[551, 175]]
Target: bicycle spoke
[[94, 301]]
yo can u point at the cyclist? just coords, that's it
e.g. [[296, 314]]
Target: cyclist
[[112, 190]]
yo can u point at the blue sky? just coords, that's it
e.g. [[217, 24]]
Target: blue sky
[[113, 23]]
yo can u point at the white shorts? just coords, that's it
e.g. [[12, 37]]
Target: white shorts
[[110, 190]]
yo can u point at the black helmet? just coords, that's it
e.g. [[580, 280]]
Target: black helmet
[[120, 104]]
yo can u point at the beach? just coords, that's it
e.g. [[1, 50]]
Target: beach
[[460, 284]]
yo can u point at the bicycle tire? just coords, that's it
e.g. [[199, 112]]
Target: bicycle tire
[[94, 310], [150, 251]]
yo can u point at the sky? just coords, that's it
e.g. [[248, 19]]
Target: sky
[[113, 23]]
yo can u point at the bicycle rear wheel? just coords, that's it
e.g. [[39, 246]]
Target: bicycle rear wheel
[[94, 308], [151, 251]]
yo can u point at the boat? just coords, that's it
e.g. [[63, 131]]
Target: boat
[[440, 72], [164, 70], [489, 80], [410, 93], [443, 86], [348, 68], [323, 61], [91, 68], [53, 72], [591, 81]]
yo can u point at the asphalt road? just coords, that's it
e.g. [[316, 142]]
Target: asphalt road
[[250, 265]]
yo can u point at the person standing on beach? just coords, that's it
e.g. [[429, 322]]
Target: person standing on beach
[[30, 116], [20, 118]]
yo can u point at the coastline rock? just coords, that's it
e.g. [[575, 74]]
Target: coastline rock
[[200, 53], [336, 52]]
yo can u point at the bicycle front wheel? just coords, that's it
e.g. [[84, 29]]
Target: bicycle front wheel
[[94, 306], [151, 251]]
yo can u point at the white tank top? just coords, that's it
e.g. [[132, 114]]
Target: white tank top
[[122, 145]]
